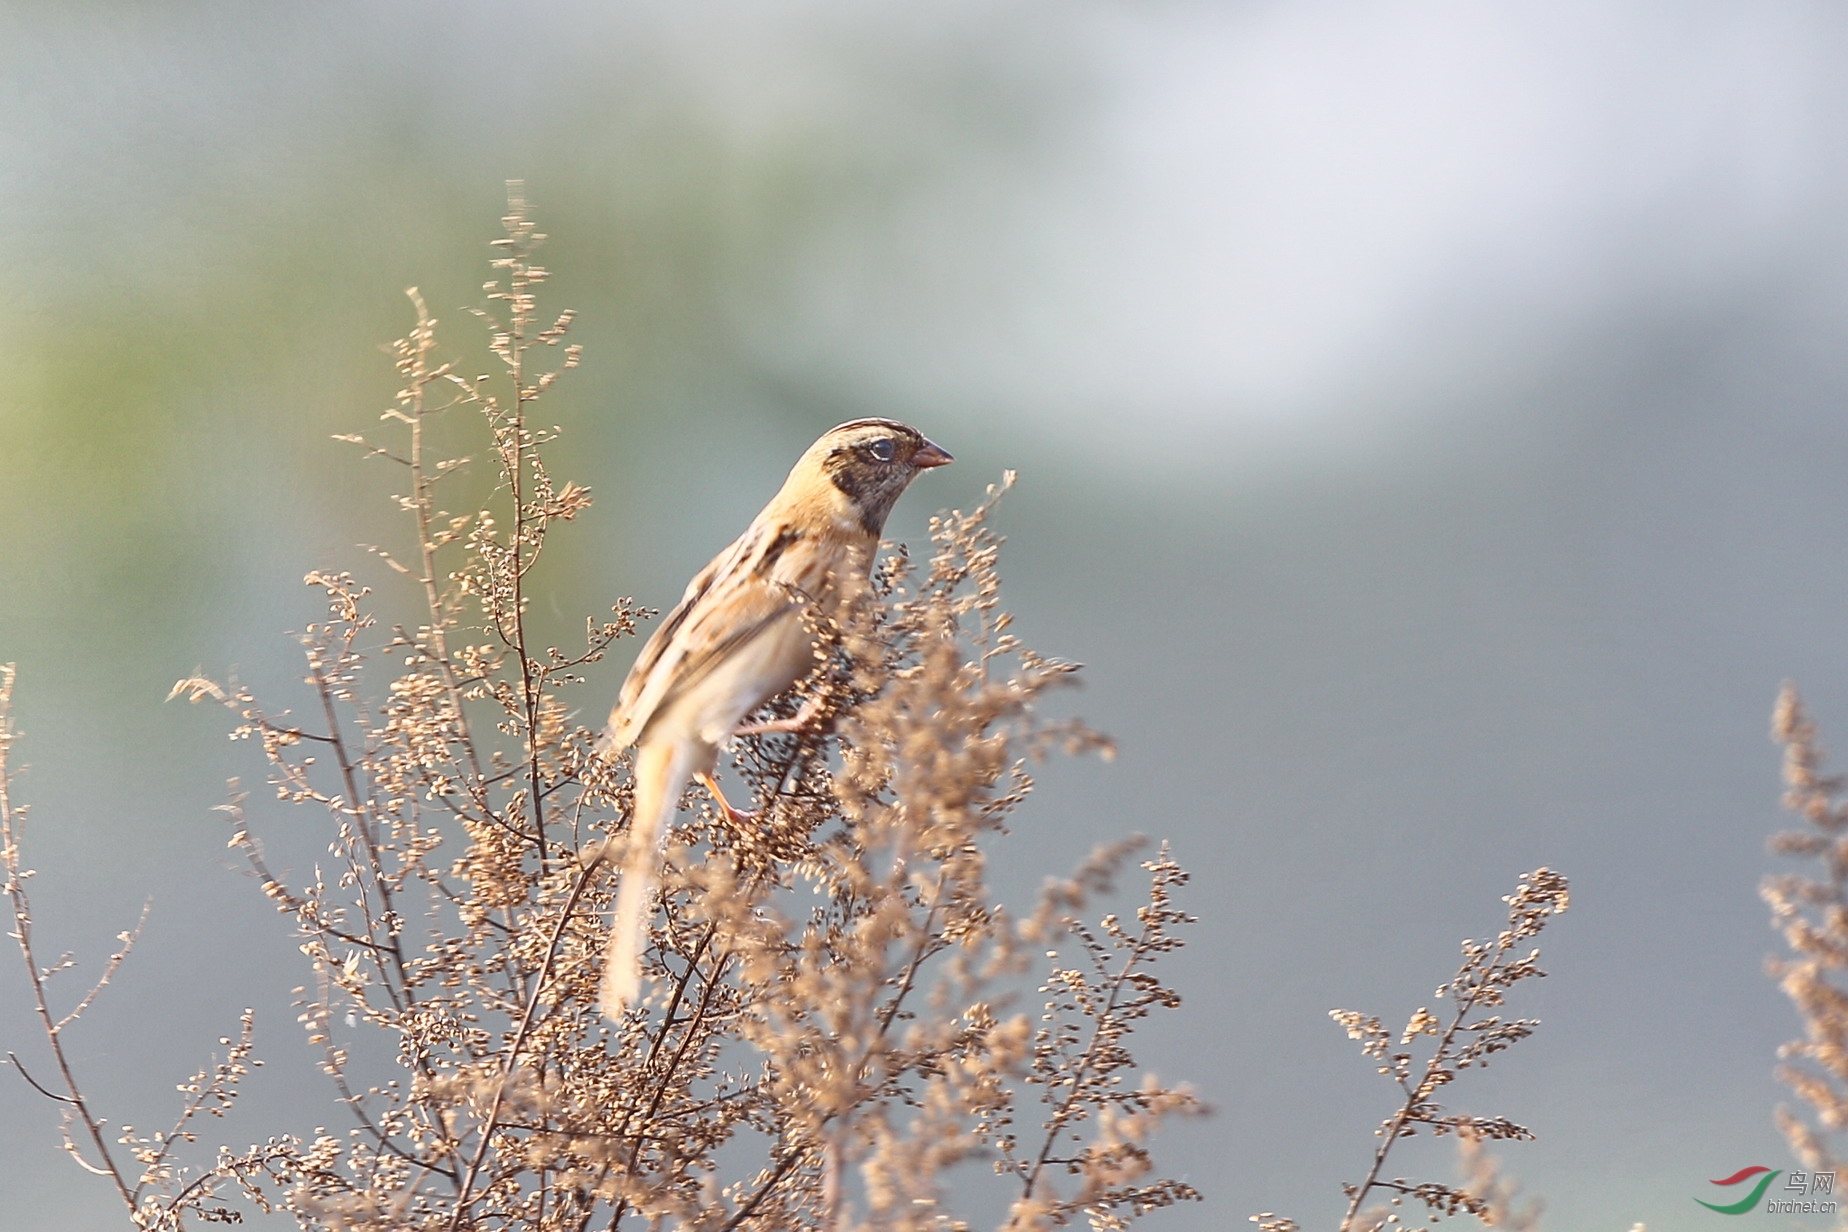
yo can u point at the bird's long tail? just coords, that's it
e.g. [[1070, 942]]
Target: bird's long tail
[[661, 772]]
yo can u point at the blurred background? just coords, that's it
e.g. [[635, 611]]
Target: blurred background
[[1431, 431]]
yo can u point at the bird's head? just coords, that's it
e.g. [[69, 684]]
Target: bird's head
[[869, 463]]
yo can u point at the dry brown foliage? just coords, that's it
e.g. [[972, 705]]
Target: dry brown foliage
[[834, 1022], [1483, 1178], [1463, 1038], [1812, 913]]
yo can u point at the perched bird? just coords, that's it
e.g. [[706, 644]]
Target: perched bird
[[737, 639]]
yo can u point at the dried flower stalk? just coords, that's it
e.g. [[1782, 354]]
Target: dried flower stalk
[[1812, 914], [1463, 1039]]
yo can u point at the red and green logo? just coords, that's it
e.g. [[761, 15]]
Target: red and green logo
[[1765, 1177]]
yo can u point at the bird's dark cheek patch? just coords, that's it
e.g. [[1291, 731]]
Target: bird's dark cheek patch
[[845, 476]]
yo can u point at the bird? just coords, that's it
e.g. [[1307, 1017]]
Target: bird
[[736, 640]]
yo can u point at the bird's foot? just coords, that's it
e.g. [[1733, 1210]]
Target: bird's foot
[[737, 816], [797, 723]]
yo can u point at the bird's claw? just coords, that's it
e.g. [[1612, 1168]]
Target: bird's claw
[[737, 816], [797, 723]]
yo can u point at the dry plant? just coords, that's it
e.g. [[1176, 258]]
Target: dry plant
[[833, 1023], [1483, 1178], [1812, 913], [149, 1189], [1463, 1040]]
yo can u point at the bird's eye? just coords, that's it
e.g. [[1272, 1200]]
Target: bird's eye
[[881, 449]]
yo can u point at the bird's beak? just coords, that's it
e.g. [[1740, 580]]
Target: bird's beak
[[929, 455]]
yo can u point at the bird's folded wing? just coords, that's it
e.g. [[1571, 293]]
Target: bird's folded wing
[[732, 603]]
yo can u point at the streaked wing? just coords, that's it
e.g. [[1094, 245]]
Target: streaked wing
[[747, 593]]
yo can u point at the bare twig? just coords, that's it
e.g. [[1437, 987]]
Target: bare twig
[[11, 822]]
